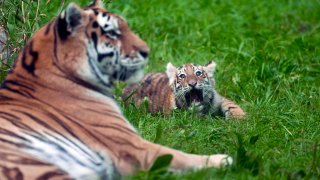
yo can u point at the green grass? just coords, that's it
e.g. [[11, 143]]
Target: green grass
[[268, 56]]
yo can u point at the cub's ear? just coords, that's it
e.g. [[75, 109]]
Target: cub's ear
[[171, 72], [210, 68], [69, 20]]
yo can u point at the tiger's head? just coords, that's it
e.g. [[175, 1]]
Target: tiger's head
[[191, 83], [90, 46]]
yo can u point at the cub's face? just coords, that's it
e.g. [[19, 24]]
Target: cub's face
[[106, 48], [191, 83]]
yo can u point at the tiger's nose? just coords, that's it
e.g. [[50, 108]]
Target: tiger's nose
[[192, 83], [144, 54]]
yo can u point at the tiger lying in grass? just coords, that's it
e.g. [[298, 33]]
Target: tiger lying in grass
[[57, 116], [183, 87]]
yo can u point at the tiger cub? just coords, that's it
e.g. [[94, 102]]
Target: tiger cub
[[185, 87]]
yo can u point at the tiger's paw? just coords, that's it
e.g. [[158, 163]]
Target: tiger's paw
[[219, 160]]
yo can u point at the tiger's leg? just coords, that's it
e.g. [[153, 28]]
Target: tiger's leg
[[147, 152], [231, 110], [184, 161]]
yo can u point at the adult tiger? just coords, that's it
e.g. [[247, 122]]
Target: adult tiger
[[57, 115], [183, 87]]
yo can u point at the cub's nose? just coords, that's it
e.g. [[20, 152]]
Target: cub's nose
[[192, 83]]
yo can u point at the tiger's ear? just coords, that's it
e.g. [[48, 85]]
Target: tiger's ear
[[171, 72], [69, 20], [97, 3], [210, 68]]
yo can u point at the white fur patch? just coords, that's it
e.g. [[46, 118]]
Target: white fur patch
[[108, 22], [70, 155], [94, 74]]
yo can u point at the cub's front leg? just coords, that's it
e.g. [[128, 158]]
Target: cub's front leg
[[231, 110], [217, 105]]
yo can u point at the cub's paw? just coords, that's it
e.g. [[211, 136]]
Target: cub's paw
[[219, 160], [234, 112]]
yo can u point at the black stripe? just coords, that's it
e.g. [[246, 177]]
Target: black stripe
[[102, 56], [30, 67], [94, 37], [106, 113], [48, 28], [12, 134], [12, 173], [51, 174], [18, 158], [36, 119], [95, 24], [4, 98], [148, 79], [19, 145], [117, 127], [65, 140], [62, 28], [16, 83], [18, 103], [20, 91], [96, 12], [123, 142], [10, 116]]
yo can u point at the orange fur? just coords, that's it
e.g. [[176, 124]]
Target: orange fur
[[155, 87]]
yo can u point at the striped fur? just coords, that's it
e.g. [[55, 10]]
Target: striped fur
[[58, 119], [183, 87], [155, 87]]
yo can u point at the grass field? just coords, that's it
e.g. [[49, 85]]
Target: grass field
[[268, 56]]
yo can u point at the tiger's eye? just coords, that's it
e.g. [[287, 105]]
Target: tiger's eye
[[182, 76], [198, 73]]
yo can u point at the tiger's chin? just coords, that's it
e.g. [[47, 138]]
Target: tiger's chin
[[134, 70], [194, 96], [135, 77]]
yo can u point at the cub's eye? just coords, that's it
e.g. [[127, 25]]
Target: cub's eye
[[182, 76], [198, 73]]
